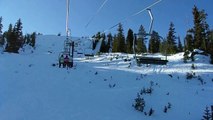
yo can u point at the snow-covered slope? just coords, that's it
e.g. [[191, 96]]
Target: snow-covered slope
[[32, 89]]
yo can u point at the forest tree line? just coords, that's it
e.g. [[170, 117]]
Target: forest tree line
[[13, 39], [200, 36]]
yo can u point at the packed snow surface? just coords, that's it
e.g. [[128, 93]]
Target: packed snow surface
[[102, 87]]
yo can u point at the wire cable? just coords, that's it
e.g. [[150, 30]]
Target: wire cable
[[99, 9]]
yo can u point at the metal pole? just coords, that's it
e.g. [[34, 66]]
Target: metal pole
[[67, 18], [134, 40]]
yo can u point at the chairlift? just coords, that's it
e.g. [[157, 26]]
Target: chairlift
[[68, 43], [148, 60]]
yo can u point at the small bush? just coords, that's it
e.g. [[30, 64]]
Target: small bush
[[139, 103], [190, 75]]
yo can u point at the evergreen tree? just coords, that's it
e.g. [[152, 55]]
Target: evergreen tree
[[19, 35], [210, 46], [33, 39], [11, 40], [109, 42], [30, 39], [141, 46], [200, 29], [96, 38], [207, 114], [180, 46], [115, 44], [121, 39], [189, 43], [27, 39], [129, 39], [1, 36], [171, 40], [154, 43], [163, 47], [103, 43], [1, 26]]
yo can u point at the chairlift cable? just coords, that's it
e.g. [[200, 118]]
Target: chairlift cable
[[135, 14], [99, 9]]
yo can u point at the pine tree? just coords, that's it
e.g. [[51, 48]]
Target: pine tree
[[103, 43], [207, 114], [1, 36], [11, 40], [163, 47], [154, 42], [109, 42], [180, 46], [189, 43], [210, 46], [27, 39], [33, 39], [171, 40], [115, 44], [1, 26], [19, 35], [96, 38], [200, 29], [129, 39], [141, 46], [121, 39]]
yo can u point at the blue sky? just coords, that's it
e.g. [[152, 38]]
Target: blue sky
[[48, 16]]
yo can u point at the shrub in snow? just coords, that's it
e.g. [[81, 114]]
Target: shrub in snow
[[193, 66], [139, 103], [186, 56], [190, 75], [165, 109], [207, 115], [169, 105], [112, 86], [146, 91], [211, 56], [151, 111], [201, 80]]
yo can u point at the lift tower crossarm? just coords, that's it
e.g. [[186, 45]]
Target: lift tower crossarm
[[151, 22]]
